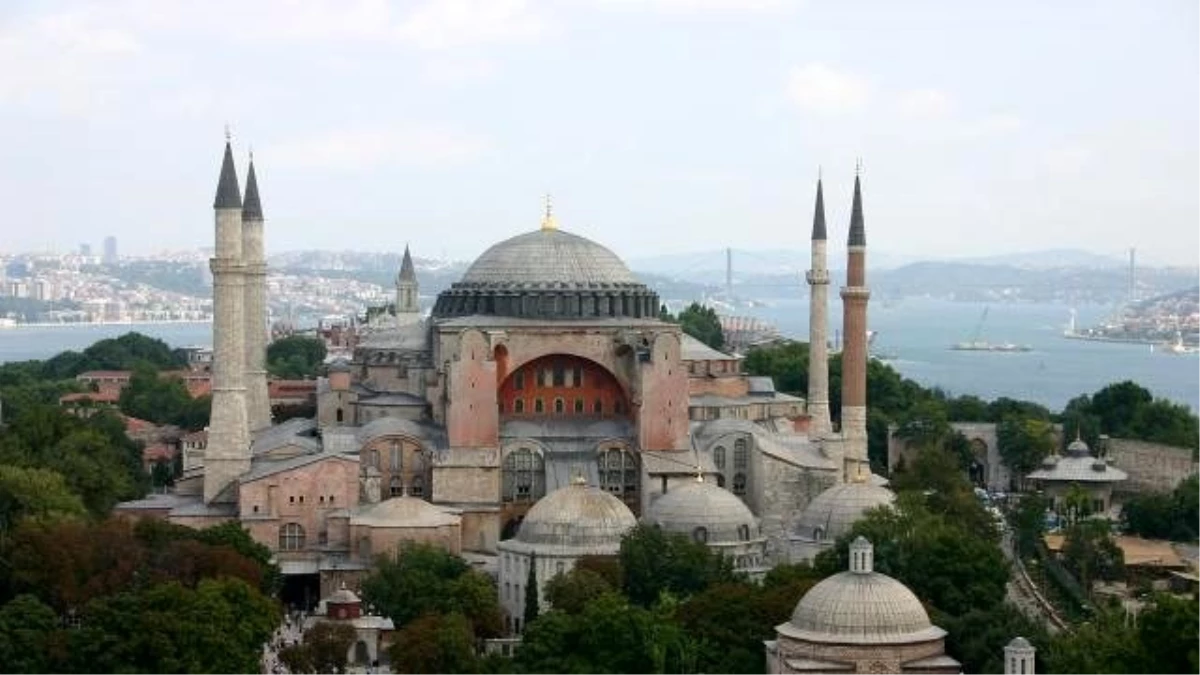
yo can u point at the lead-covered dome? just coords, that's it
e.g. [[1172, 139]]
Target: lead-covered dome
[[578, 517], [860, 606], [548, 273], [832, 513], [699, 504]]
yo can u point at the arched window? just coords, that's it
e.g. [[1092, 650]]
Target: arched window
[[719, 457], [578, 405], [374, 458], [577, 376], [559, 406], [524, 477], [720, 480], [519, 406], [364, 547], [340, 415], [538, 406], [395, 488], [598, 407], [740, 454], [619, 473], [744, 532], [519, 380], [618, 407], [700, 535], [417, 489], [739, 484], [291, 537], [395, 456], [818, 534]]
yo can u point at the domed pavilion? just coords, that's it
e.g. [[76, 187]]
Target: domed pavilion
[[833, 512], [859, 621], [711, 515]]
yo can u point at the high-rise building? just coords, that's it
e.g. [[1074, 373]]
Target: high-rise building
[[85, 250], [110, 250]]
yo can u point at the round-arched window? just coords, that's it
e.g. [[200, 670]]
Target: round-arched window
[[291, 537], [719, 457], [700, 535], [744, 532], [739, 484], [524, 476]]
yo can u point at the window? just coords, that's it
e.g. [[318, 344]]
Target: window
[[739, 484], [700, 535], [578, 405], [256, 508], [577, 376], [395, 456], [291, 499], [417, 489], [524, 477], [560, 375], [291, 537], [538, 406], [374, 458], [619, 407], [719, 457], [322, 499], [559, 406], [720, 480], [395, 487], [560, 567], [744, 532], [818, 534], [543, 377], [741, 455], [598, 407], [619, 473], [519, 380], [340, 415], [519, 406]]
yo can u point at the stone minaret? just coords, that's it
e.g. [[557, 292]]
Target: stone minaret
[[854, 352], [1019, 657], [818, 322], [408, 309], [258, 403], [228, 452]]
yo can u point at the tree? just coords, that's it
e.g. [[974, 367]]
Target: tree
[[654, 562], [434, 643], [39, 494], [571, 592], [1168, 635], [786, 364], [977, 638], [29, 636], [296, 357], [1106, 644], [532, 606], [422, 579], [729, 623], [1089, 552], [328, 645], [1024, 442], [1029, 522], [701, 323]]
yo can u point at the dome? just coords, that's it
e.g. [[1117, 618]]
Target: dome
[[702, 504], [1078, 448], [834, 511], [860, 606], [550, 274], [577, 516], [405, 512], [548, 257], [342, 596]]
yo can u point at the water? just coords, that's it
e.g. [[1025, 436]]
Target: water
[[918, 332]]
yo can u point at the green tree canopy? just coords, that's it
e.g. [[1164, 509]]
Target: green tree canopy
[[39, 494], [1156, 515], [435, 643], [296, 357], [571, 592], [700, 322], [654, 562], [1024, 442]]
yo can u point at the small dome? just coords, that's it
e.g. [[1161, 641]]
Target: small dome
[[405, 512], [696, 504], [342, 596], [578, 516], [551, 257], [1019, 643], [1078, 448], [834, 511], [860, 608]]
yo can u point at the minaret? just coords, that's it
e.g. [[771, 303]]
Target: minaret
[[818, 326], [854, 333], [408, 309], [228, 452], [258, 403]]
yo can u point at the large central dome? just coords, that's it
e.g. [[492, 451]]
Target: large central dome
[[548, 257], [548, 274]]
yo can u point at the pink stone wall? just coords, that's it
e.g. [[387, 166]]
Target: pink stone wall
[[472, 419], [663, 415], [305, 495]]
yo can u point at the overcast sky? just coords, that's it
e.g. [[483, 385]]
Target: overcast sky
[[658, 125]]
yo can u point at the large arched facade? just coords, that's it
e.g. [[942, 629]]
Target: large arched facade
[[562, 385]]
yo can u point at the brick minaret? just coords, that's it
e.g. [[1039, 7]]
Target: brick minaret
[[818, 322], [258, 403], [854, 353], [228, 452], [408, 308]]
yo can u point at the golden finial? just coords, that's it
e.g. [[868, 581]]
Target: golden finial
[[858, 167], [578, 478], [228, 133], [548, 222]]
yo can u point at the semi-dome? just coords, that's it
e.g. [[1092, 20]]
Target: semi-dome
[[701, 504], [860, 606], [548, 273], [405, 511], [577, 516], [832, 513]]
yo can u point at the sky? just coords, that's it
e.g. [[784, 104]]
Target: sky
[[657, 126]]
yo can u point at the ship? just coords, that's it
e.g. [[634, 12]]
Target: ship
[[975, 344]]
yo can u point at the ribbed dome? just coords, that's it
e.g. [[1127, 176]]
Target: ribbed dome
[[860, 608], [835, 510], [702, 504], [578, 516], [551, 258], [405, 512]]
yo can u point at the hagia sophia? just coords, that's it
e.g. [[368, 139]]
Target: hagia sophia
[[536, 414]]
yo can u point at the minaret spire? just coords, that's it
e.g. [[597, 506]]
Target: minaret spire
[[228, 194], [258, 402], [855, 295], [408, 308], [818, 322]]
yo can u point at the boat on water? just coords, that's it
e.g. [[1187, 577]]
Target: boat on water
[[975, 344]]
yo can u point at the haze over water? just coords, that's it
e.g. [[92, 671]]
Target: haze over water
[[918, 332]]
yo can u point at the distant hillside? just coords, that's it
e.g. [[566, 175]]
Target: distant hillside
[[1048, 259]]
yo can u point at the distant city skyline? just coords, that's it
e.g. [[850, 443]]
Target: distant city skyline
[[664, 126]]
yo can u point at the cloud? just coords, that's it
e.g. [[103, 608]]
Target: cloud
[[430, 146], [698, 6], [925, 104], [818, 88], [991, 125], [446, 24], [450, 72]]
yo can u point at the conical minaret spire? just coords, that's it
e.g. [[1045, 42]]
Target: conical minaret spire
[[228, 453], [855, 295], [408, 307], [258, 402], [818, 322]]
